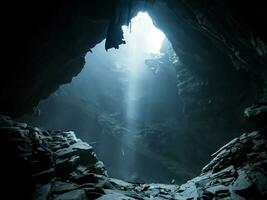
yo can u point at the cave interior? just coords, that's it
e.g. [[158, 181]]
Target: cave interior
[[134, 99]]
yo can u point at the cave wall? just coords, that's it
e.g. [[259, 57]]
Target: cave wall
[[221, 44], [46, 43], [221, 70]]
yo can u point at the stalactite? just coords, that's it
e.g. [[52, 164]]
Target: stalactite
[[114, 34]]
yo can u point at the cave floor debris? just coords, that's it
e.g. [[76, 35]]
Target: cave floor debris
[[64, 168]]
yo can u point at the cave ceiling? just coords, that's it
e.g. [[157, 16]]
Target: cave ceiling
[[45, 42]]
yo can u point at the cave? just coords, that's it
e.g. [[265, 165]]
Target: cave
[[134, 99]]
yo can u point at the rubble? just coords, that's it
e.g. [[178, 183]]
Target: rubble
[[65, 168]]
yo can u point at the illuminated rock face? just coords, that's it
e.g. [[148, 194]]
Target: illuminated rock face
[[49, 49], [57, 165]]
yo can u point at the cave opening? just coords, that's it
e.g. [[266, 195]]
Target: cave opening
[[142, 109], [148, 113], [189, 104], [121, 103]]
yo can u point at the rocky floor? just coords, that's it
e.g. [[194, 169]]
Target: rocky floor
[[59, 166]]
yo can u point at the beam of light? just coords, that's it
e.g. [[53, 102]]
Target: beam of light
[[143, 40]]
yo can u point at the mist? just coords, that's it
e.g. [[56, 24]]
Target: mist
[[134, 99], [125, 103]]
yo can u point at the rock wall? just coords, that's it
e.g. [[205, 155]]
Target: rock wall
[[34, 156], [40, 164], [45, 48], [45, 43], [222, 43], [221, 67]]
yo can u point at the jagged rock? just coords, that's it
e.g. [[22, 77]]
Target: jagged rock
[[241, 173], [257, 113], [34, 149], [44, 176], [72, 195], [255, 110], [115, 196], [209, 38], [242, 182], [41, 192], [63, 187]]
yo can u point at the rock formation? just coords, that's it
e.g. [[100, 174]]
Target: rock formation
[[57, 165], [222, 48], [46, 43]]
